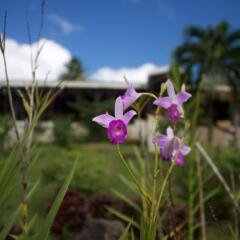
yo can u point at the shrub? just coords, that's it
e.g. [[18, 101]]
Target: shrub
[[63, 134]]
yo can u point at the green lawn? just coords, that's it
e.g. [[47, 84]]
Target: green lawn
[[98, 168], [97, 165]]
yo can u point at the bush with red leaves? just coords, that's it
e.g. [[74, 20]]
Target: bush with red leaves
[[72, 213], [76, 208]]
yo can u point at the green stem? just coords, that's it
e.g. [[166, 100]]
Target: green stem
[[149, 95], [24, 203], [152, 220], [164, 186], [142, 191], [190, 202], [201, 197], [10, 98], [155, 175]]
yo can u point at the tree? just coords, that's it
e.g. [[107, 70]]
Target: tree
[[211, 55], [74, 70]]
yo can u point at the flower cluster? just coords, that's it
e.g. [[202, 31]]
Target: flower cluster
[[171, 147], [117, 125], [173, 103]]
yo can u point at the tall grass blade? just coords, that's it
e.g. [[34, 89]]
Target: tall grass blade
[[124, 235], [123, 217], [126, 199], [219, 176], [44, 232], [7, 227]]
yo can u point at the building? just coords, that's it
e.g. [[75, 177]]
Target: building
[[90, 91]]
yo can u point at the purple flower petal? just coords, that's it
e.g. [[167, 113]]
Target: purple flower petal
[[117, 131], [129, 97], [180, 160], [165, 154], [174, 112], [164, 102], [173, 103], [162, 141], [180, 109], [182, 97], [170, 90], [103, 120], [170, 133], [128, 116], [185, 150], [176, 144], [119, 108]]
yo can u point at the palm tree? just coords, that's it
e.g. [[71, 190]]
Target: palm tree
[[74, 70], [211, 51], [212, 55]]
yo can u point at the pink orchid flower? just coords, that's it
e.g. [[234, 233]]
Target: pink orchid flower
[[130, 96], [170, 147], [173, 103], [117, 125]]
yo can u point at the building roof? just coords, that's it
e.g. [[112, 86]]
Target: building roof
[[161, 70], [88, 84]]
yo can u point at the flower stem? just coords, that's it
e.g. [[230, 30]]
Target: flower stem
[[149, 95], [155, 173], [10, 98], [142, 191], [24, 150], [164, 186]]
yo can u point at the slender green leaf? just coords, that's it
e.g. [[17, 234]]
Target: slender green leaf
[[126, 199], [9, 224], [12, 219], [43, 233], [206, 198], [128, 183], [123, 217], [132, 234], [124, 235]]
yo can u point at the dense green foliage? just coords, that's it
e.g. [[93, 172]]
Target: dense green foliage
[[87, 109], [74, 70], [63, 134], [211, 54], [97, 160]]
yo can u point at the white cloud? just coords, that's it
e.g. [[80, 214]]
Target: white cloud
[[138, 75], [64, 25], [52, 60]]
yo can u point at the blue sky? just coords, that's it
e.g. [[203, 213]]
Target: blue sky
[[117, 33]]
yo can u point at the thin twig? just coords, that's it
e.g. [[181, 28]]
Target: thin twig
[[134, 178], [201, 197], [42, 14], [235, 213], [219, 175], [4, 29], [9, 93], [171, 209]]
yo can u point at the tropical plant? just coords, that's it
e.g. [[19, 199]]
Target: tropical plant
[[63, 134], [211, 55], [74, 70], [14, 171], [169, 148]]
